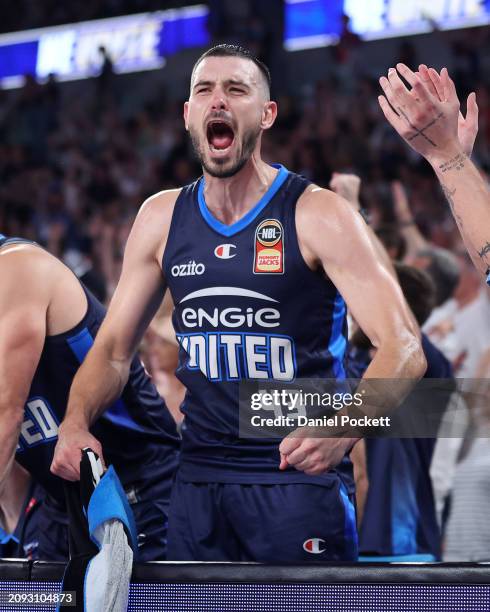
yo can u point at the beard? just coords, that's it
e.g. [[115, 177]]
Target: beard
[[225, 168]]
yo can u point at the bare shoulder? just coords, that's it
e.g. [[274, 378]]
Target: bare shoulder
[[25, 259], [160, 205], [152, 223], [320, 204], [27, 270], [324, 223]]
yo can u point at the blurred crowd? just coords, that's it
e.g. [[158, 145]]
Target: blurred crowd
[[74, 171]]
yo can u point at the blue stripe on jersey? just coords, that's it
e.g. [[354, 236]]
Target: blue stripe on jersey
[[234, 228], [338, 343], [118, 414], [81, 343]]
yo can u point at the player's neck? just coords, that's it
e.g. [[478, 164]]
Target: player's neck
[[229, 199]]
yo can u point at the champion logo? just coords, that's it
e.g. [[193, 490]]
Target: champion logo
[[225, 251], [314, 546]]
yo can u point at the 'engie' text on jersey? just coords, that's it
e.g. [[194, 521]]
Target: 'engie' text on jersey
[[235, 343]]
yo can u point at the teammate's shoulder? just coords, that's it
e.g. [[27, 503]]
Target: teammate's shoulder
[[17, 254], [28, 265]]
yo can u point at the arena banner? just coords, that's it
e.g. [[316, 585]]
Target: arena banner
[[318, 23], [72, 51]]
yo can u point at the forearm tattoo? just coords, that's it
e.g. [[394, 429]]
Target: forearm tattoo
[[456, 163], [484, 251], [449, 193]]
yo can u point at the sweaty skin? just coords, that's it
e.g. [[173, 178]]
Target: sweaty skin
[[233, 90]]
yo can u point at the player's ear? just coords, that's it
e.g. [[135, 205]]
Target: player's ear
[[186, 114], [269, 115]]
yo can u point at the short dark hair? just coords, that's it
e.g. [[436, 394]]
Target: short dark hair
[[419, 290], [226, 50]]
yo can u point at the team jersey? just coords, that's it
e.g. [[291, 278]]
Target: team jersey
[[247, 306], [137, 433]]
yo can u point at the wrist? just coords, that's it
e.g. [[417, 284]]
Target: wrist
[[446, 159], [73, 424]]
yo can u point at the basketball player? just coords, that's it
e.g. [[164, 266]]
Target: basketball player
[[47, 325], [257, 261], [426, 117]]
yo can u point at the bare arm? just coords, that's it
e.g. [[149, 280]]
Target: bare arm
[[24, 299], [429, 125], [358, 457], [375, 300], [104, 373], [414, 239], [370, 291]]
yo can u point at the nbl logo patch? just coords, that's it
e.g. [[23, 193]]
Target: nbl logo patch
[[269, 248]]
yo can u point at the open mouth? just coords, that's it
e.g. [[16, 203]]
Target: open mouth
[[220, 136]]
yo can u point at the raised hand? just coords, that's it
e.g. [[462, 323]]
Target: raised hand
[[426, 122], [347, 186], [467, 126]]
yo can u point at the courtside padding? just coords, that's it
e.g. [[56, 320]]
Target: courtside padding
[[230, 587]]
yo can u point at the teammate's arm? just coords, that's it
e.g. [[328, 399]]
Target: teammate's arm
[[429, 125], [333, 236], [24, 300], [104, 372]]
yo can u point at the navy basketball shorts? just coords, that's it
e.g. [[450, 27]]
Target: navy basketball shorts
[[278, 523]]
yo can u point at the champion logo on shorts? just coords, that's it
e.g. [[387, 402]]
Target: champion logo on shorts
[[314, 546]]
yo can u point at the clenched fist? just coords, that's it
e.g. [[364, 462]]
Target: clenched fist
[[72, 439]]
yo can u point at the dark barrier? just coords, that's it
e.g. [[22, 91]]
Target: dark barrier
[[237, 587]]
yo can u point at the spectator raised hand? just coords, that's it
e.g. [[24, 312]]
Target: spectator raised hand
[[426, 115], [467, 126]]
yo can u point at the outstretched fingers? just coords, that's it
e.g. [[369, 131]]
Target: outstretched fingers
[[388, 112]]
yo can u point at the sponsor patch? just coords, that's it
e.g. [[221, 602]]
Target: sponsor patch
[[269, 248]]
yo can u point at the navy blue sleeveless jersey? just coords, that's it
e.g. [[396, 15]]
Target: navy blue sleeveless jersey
[[138, 434], [247, 306]]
